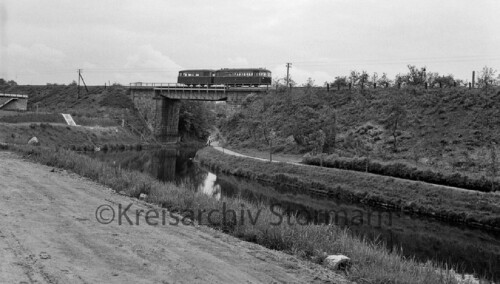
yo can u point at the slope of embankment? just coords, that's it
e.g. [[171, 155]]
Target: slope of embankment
[[447, 130], [105, 106]]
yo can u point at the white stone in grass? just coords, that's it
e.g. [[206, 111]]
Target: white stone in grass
[[33, 141], [338, 262], [143, 196]]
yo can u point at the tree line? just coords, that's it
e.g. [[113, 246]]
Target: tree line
[[415, 76]]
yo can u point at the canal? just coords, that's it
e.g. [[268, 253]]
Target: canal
[[469, 250]]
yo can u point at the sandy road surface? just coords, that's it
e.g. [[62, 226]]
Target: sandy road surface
[[49, 234]]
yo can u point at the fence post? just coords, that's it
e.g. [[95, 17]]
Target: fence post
[[425, 85], [399, 85], [470, 86], [473, 78], [374, 85], [327, 87]]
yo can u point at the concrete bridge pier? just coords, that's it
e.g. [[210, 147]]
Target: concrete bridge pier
[[166, 128]]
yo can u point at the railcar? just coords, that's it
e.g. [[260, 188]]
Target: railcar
[[202, 77], [242, 77], [226, 77]]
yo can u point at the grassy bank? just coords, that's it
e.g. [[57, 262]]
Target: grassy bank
[[25, 117], [446, 130], [401, 170], [371, 262], [473, 208], [65, 136]]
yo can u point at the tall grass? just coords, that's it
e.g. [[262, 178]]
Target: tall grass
[[372, 263], [404, 171], [33, 117]]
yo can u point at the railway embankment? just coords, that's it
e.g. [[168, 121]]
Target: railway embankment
[[478, 209]]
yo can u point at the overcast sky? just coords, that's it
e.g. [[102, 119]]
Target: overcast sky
[[127, 41]]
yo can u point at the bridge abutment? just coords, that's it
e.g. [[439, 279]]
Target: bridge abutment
[[167, 125], [161, 114]]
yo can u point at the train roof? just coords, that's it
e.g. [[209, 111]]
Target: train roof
[[226, 69], [198, 70], [243, 69]]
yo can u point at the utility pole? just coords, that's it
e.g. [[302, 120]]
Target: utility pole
[[288, 66], [79, 75]]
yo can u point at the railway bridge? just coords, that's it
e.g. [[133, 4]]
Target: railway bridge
[[159, 103]]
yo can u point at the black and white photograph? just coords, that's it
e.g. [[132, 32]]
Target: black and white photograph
[[250, 141]]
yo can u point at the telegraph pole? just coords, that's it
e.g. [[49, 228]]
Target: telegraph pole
[[79, 75], [288, 66]]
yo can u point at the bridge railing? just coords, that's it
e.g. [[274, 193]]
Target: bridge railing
[[181, 88]]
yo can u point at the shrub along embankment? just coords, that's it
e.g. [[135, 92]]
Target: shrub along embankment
[[51, 135], [404, 171], [33, 117], [371, 262], [471, 207]]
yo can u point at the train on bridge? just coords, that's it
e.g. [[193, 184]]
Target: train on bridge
[[252, 77]]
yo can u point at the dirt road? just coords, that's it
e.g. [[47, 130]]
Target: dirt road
[[49, 234]]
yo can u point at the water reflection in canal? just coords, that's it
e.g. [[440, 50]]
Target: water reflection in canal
[[471, 250]]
